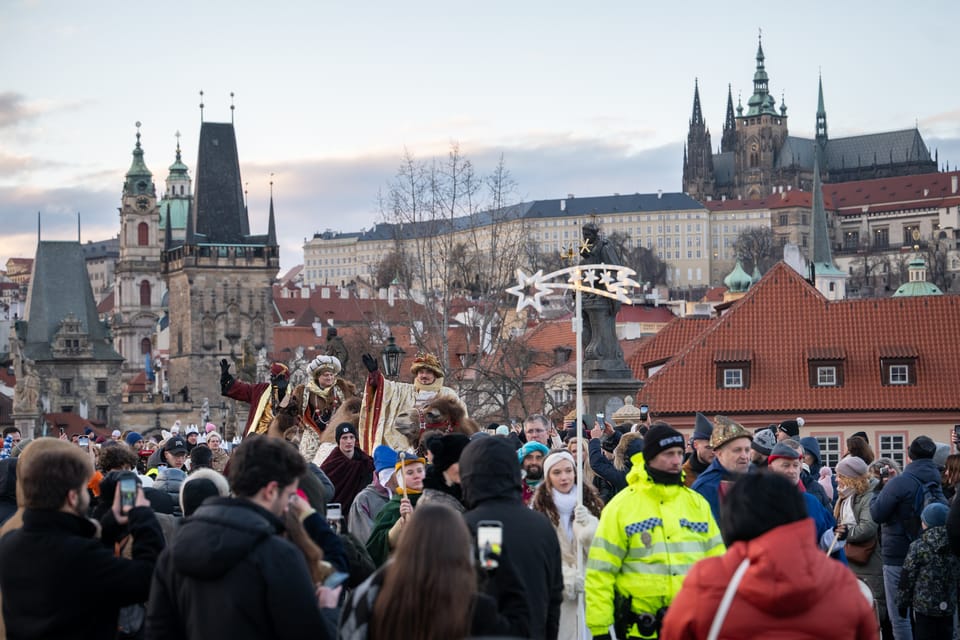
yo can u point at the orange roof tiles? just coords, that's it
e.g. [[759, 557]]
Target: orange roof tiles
[[906, 192], [665, 344], [780, 319]]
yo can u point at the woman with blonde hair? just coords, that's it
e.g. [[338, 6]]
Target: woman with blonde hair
[[951, 476], [856, 488], [589, 476], [556, 497]]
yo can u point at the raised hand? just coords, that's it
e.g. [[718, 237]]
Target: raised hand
[[370, 363]]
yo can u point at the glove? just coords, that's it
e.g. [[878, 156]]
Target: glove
[[370, 363], [581, 515], [225, 378]]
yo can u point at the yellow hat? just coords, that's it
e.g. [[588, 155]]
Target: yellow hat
[[427, 361], [725, 430]]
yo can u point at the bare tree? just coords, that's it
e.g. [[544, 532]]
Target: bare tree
[[645, 262], [756, 248]]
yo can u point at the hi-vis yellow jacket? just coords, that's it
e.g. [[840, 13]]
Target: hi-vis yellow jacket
[[648, 538]]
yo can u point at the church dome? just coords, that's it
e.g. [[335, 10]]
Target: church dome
[[738, 280]]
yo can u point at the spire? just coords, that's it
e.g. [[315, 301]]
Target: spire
[[822, 255], [272, 225], [697, 117], [167, 232], [729, 140], [139, 179], [760, 102], [821, 117]]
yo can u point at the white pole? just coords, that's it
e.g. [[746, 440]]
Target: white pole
[[578, 323]]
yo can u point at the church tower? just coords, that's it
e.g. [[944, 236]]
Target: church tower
[[761, 132], [177, 197], [827, 278], [139, 287], [219, 276], [698, 154]]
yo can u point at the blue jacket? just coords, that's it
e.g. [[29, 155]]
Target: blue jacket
[[604, 468], [708, 485], [824, 522], [894, 506]]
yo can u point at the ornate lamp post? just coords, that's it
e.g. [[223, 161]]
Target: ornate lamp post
[[391, 356]]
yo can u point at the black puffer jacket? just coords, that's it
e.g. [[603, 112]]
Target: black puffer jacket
[[227, 558], [490, 479], [894, 508]]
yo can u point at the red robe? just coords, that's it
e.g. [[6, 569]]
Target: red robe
[[348, 475]]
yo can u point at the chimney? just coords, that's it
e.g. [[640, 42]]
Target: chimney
[[325, 293], [563, 205], [953, 183], [570, 196], [344, 293], [659, 193]]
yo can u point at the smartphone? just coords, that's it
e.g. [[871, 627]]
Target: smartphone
[[489, 543], [62, 430], [83, 442], [956, 432], [644, 411], [335, 579], [128, 492], [334, 512]]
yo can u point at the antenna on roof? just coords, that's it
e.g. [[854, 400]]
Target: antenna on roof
[[78, 228], [201, 106], [246, 194], [231, 107], [38, 227], [271, 184]]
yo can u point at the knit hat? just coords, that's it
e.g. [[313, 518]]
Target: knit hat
[[940, 457], [133, 438], [503, 430], [529, 448], [115, 433], [384, 458], [935, 514], [852, 467], [922, 448], [609, 442], [344, 428], [764, 441], [660, 437], [791, 428], [702, 427], [725, 430], [782, 450], [210, 427], [556, 457], [447, 448]]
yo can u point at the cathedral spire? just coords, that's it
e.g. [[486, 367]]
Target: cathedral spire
[[761, 101], [821, 116], [729, 140], [697, 117], [272, 225], [167, 232]]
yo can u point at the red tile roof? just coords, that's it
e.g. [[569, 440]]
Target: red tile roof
[[785, 200], [665, 344], [780, 319], [644, 313], [714, 294], [7, 377], [106, 305], [890, 194]]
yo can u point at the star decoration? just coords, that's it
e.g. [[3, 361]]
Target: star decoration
[[522, 290], [590, 278]]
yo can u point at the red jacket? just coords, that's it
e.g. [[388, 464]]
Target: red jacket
[[791, 590]]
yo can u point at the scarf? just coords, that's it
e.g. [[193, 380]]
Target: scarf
[[565, 503], [433, 386], [662, 477]]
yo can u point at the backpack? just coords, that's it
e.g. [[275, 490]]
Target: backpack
[[926, 494]]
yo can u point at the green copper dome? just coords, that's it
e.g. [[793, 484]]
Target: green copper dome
[[139, 179], [918, 285], [738, 280]]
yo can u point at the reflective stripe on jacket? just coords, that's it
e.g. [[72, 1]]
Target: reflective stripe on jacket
[[648, 538]]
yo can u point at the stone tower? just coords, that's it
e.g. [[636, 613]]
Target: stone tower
[[698, 154], [219, 276], [139, 286]]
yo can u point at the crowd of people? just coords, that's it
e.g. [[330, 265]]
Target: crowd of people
[[530, 530]]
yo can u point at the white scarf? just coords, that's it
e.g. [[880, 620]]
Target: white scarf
[[565, 503]]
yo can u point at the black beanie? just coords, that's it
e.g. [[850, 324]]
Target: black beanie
[[344, 428], [447, 448], [922, 448], [661, 437]]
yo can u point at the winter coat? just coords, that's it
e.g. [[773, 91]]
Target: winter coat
[[436, 490], [783, 593], [708, 485], [490, 479], [862, 532], [8, 488], [59, 581], [605, 470], [220, 460], [229, 558], [357, 613], [894, 507], [364, 510], [692, 469], [647, 539], [378, 544], [928, 581]]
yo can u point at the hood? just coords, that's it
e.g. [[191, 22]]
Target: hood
[[924, 470], [937, 539], [637, 474], [8, 480], [220, 535], [812, 446], [786, 569], [489, 470]]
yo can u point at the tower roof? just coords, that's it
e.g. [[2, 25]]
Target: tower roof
[[697, 117], [139, 179], [738, 280], [822, 256], [219, 215], [761, 102]]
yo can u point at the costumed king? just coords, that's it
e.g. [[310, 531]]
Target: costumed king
[[319, 398], [264, 398]]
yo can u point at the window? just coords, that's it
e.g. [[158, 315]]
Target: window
[[784, 220], [143, 234], [102, 413], [892, 446], [899, 374], [851, 240], [144, 294], [733, 378], [66, 386], [101, 386], [881, 238], [826, 376], [829, 450], [803, 219]]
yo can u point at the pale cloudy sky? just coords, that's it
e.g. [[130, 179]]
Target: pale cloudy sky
[[579, 98]]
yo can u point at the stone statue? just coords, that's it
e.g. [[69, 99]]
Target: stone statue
[[337, 348], [602, 355], [298, 368], [263, 366]]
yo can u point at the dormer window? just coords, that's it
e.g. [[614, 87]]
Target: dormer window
[[825, 366], [733, 368], [898, 365]]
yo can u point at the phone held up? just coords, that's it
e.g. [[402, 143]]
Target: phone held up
[[335, 516], [83, 442], [489, 543], [127, 486]]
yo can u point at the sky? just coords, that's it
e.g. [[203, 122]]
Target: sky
[[578, 98]]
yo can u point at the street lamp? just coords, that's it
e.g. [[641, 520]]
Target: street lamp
[[391, 356]]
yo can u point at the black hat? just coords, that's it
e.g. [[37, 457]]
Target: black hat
[[609, 442], [861, 434], [702, 427], [661, 437], [175, 444], [447, 448], [922, 448], [791, 428], [345, 428]]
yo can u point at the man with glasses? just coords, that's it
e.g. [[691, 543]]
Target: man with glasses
[[537, 428]]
